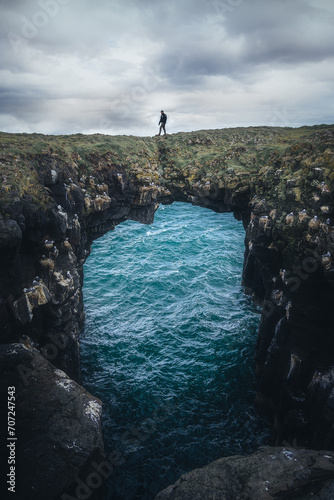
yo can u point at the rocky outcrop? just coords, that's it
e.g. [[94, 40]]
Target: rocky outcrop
[[288, 269], [54, 436], [266, 474], [59, 194], [47, 229]]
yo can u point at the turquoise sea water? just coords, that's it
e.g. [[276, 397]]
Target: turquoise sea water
[[168, 346]]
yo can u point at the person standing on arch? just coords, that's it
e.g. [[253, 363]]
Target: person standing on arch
[[162, 123]]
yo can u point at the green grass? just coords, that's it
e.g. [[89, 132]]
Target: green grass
[[215, 154]]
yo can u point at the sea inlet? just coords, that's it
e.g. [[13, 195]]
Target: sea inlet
[[168, 347]]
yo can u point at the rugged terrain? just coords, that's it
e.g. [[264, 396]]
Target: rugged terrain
[[59, 193]]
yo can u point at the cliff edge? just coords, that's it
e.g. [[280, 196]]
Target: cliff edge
[[59, 193]]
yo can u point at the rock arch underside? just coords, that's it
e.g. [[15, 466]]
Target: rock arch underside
[[59, 193]]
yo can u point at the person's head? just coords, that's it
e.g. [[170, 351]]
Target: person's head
[[161, 111]]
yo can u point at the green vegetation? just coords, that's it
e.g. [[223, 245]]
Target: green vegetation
[[224, 156]]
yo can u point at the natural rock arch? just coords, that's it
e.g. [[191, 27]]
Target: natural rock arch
[[59, 194]]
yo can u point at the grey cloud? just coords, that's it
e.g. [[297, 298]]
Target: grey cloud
[[110, 64], [287, 30]]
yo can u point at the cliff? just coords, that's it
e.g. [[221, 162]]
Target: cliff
[[60, 193]]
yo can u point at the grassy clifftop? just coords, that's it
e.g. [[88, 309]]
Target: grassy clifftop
[[224, 157]]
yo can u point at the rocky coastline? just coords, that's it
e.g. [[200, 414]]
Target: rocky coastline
[[58, 194]]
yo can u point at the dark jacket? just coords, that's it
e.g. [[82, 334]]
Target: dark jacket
[[163, 118]]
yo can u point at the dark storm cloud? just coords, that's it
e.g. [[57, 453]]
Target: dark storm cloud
[[255, 34], [291, 32], [78, 65]]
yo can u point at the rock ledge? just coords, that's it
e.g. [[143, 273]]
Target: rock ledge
[[266, 474]]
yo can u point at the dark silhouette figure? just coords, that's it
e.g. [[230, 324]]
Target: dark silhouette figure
[[162, 123]]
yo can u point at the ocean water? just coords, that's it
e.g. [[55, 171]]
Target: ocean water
[[168, 347]]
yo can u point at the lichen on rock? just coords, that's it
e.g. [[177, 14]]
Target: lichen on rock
[[64, 193], [57, 439]]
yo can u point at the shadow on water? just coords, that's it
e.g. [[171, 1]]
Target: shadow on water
[[168, 347]]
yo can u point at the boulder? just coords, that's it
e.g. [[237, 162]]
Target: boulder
[[268, 473], [57, 426]]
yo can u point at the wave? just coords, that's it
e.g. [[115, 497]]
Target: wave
[[166, 321]]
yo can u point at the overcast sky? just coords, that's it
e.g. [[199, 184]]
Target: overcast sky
[[110, 66]]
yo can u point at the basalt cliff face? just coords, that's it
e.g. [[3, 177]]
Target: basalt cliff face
[[60, 193]]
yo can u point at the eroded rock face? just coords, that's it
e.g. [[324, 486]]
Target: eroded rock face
[[55, 203], [266, 474], [288, 269], [57, 426]]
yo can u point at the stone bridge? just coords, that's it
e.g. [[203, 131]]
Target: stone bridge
[[60, 193]]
